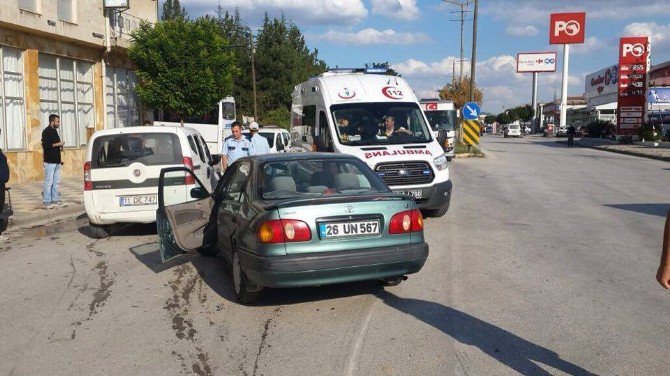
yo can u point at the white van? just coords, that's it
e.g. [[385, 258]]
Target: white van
[[214, 126], [513, 130], [278, 138], [441, 116], [345, 111], [122, 169]]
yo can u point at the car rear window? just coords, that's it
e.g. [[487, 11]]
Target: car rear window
[[317, 177], [513, 126], [150, 149]]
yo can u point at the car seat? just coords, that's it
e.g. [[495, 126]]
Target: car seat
[[347, 181], [283, 183]]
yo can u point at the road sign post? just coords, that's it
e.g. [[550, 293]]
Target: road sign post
[[470, 125]]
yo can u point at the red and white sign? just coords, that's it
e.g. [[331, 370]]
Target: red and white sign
[[432, 106], [567, 28], [392, 92], [633, 82], [536, 62]]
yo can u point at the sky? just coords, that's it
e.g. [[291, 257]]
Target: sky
[[420, 40]]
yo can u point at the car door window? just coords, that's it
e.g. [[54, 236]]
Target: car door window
[[237, 184], [280, 142], [287, 140], [201, 152], [207, 154]]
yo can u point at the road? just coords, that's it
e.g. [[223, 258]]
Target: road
[[544, 264]]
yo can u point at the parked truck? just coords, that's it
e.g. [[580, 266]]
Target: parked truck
[[441, 115]]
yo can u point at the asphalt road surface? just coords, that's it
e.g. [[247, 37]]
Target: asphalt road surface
[[544, 264]]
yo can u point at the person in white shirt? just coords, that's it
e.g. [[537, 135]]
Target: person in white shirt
[[259, 145]]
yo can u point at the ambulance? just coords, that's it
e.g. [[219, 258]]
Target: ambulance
[[441, 115], [377, 118]]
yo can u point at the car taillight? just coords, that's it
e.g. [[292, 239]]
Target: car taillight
[[406, 221], [88, 183], [188, 163], [284, 231]]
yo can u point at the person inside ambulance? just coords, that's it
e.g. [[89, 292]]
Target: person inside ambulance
[[344, 129], [391, 131]]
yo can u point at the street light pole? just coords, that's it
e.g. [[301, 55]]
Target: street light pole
[[474, 54], [463, 6], [253, 74]]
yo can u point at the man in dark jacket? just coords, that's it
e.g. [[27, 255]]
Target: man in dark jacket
[[51, 144], [4, 178]]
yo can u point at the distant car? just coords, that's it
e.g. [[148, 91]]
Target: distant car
[[512, 130], [562, 132], [122, 168], [290, 220], [278, 138]]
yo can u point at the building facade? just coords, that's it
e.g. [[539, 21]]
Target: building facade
[[65, 57]]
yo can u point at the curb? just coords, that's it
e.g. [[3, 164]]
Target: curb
[[469, 155], [632, 153], [18, 222]]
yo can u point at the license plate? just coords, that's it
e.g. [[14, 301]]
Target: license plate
[[416, 194], [138, 200], [338, 230]]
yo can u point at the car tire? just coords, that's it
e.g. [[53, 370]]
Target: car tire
[[436, 213], [392, 281], [241, 283], [99, 232]]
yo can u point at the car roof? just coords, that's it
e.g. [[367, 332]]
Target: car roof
[[144, 129], [280, 157]]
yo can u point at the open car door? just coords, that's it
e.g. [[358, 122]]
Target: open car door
[[184, 210]]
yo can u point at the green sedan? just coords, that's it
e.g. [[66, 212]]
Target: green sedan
[[292, 220]]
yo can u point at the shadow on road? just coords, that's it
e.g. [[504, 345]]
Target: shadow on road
[[660, 209], [149, 255], [507, 348], [131, 229]]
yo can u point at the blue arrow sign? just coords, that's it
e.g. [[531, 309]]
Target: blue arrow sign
[[471, 111]]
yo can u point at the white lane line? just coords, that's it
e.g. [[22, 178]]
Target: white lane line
[[356, 349]]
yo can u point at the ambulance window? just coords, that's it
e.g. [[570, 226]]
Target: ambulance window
[[325, 142]]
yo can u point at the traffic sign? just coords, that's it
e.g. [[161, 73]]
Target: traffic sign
[[471, 132], [471, 111]]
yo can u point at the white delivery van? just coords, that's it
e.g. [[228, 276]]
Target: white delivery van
[[123, 166], [214, 126], [441, 116], [346, 111]]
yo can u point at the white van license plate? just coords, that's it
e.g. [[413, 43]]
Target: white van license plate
[[416, 194], [138, 200], [337, 230]]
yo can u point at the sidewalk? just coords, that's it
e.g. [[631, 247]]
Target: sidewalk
[[27, 202], [638, 149]]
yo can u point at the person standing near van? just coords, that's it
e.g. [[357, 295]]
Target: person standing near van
[[234, 147], [51, 144], [259, 145], [4, 178]]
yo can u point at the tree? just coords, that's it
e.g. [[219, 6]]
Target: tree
[[459, 92], [282, 61], [182, 66], [172, 10], [490, 119], [503, 118]]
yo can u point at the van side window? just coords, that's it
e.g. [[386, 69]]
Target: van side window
[[325, 142], [309, 122], [204, 145], [192, 144]]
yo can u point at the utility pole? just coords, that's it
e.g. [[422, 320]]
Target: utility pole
[[463, 6], [253, 74], [474, 54]]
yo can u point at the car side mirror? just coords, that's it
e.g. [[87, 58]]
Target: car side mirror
[[199, 193], [216, 159]]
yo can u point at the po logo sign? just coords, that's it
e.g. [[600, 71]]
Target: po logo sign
[[636, 49], [566, 28]]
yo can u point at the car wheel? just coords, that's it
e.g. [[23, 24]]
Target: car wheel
[[99, 232], [392, 281], [435, 213], [241, 283]]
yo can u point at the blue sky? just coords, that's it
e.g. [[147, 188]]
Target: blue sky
[[419, 40]]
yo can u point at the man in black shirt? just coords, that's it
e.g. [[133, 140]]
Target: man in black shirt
[[51, 144], [4, 178]]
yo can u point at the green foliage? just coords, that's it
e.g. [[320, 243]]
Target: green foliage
[[172, 10], [282, 61], [183, 66], [459, 92], [490, 119], [649, 132], [597, 128], [280, 116], [503, 118]]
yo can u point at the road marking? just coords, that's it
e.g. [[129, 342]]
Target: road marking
[[356, 350]]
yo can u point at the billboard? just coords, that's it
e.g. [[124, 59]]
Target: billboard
[[567, 28], [601, 82], [535, 62], [658, 94], [633, 79]]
